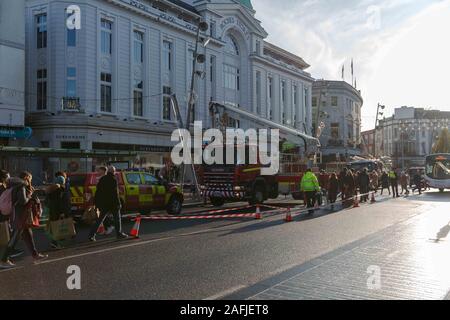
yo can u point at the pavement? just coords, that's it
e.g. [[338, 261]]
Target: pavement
[[393, 249]]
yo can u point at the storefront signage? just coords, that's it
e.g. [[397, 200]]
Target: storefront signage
[[162, 15], [69, 137], [24, 133]]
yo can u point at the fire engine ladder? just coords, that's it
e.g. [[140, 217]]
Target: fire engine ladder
[[218, 110], [186, 167]]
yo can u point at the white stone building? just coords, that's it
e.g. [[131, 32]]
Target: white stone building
[[338, 106], [106, 86], [408, 136], [12, 67]]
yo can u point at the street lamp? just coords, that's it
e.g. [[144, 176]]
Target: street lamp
[[382, 107]]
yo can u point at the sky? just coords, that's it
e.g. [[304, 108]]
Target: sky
[[401, 48]]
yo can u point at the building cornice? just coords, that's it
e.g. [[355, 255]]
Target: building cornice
[[286, 68]]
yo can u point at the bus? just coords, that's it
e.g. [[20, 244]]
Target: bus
[[437, 171], [370, 165]]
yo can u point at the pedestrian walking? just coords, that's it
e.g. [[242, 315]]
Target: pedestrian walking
[[374, 181], [54, 201], [393, 179], [341, 179], [417, 182], [385, 182], [404, 182], [364, 183], [22, 196], [107, 200], [349, 188], [333, 189], [310, 187]]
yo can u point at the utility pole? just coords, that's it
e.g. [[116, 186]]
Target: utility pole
[[382, 107]]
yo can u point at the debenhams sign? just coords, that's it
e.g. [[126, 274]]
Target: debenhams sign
[[162, 15]]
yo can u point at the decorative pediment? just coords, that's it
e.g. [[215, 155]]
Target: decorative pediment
[[232, 12]]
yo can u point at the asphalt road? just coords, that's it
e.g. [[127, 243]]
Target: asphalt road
[[203, 259]]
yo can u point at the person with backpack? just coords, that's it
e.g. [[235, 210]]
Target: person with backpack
[[20, 194]]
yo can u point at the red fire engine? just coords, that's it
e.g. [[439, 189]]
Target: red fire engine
[[244, 182]]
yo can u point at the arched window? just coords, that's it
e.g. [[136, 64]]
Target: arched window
[[231, 46]]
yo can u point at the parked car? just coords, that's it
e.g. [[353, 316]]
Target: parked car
[[139, 192]]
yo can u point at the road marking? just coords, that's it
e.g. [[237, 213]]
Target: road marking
[[12, 269], [102, 251], [225, 293]]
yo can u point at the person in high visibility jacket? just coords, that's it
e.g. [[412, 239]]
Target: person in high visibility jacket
[[310, 186], [393, 178]]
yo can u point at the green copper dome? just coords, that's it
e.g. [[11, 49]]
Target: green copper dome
[[247, 3]]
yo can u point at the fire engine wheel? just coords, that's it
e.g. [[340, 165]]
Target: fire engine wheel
[[217, 202], [174, 206]]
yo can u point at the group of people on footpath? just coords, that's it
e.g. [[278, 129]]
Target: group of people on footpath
[[349, 184], [20, 207]]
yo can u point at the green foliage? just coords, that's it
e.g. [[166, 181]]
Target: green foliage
[[442, 144]]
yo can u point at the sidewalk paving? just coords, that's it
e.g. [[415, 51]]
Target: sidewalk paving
[[412, 260]]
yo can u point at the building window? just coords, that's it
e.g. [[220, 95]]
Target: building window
[[167, 55], [314, 102], [167, 115], [294, 105], [212, 76], [334, 101], [231, 75], [231, 46], [71, 37], [41, 89], [270, 97], [212, 29], [71, 83], [73, 145], [106, 93], [106, 37], [335, 131], [283, 101], [258, 92], [41, 24], [138, 47], [258, 47], [138, 106]]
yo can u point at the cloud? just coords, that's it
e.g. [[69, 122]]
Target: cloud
[[377, 34]]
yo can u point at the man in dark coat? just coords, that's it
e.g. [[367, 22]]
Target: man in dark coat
[[107, 200], [364, 182]]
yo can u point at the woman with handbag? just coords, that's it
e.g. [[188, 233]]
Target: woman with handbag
[[22, 194]]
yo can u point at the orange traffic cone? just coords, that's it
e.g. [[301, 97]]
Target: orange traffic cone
[[135, 231], [101, 229], [356, 202], [288, 215], [373, 198], [258, 215]]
